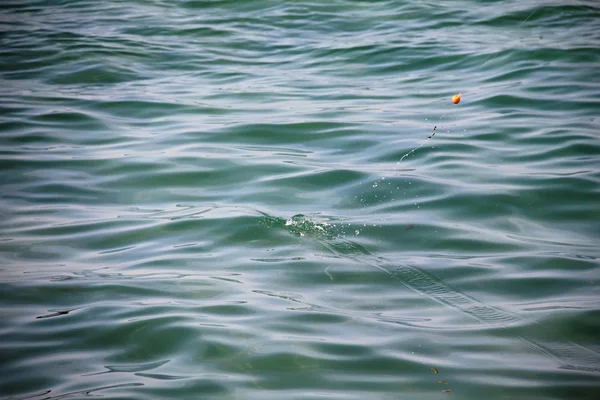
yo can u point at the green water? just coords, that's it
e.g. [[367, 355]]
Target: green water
[[247, 200]]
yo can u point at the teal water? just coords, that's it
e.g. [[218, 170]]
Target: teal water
[[247, 200]]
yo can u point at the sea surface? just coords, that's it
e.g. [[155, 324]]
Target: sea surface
[[276, 199]]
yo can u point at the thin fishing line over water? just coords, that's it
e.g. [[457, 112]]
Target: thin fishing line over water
[[425, 140]]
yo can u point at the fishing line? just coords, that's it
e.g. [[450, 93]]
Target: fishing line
[[378, 197], [520, 25], [419, 146], [456, 98]]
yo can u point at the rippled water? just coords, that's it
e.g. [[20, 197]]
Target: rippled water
[[278, 200]]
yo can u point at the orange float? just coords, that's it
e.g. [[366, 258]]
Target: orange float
[[456, 98]]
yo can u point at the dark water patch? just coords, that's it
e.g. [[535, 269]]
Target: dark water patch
[[90, 74], [55, 314], [141, 110]]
